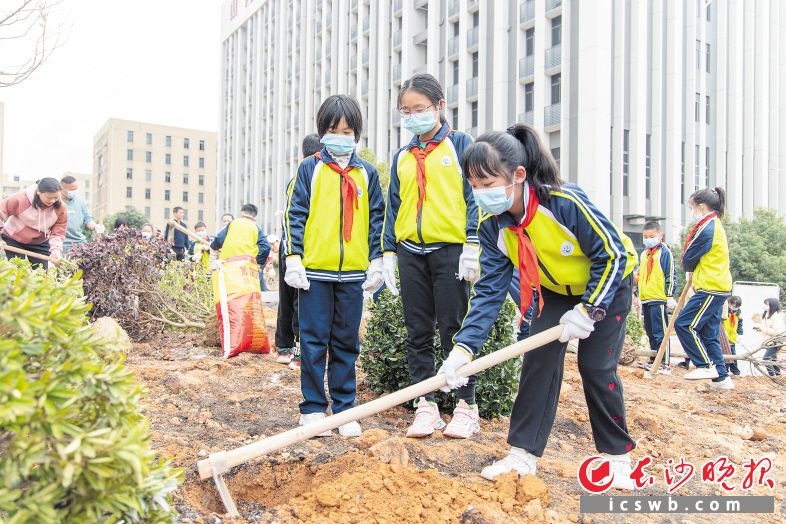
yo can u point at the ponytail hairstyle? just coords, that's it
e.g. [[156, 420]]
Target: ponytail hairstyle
[[46, 185], [713, 198], [496, 154], [428, 86]]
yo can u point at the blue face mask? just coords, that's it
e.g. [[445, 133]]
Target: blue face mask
[[71, 194], [650, 243], [419, 123], [493, 200], [340, 145]]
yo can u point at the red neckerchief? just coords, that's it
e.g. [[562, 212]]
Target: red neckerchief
[[420, 156], [733, 320], [651, 261], [349, 195], [696, 228], [529, 277]]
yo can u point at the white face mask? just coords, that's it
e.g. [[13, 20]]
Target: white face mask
[[147, 234]]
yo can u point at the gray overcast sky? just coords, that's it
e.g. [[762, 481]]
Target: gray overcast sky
[[148, 60]]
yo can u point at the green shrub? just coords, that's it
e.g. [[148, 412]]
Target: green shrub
[[384, 358], [634, 329], [182, 297], [73, 446]]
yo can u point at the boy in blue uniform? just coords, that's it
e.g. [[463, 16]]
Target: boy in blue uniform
[[333, 229], [657, 280], [732, 324]]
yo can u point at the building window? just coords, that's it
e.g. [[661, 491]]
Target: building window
[[185, 143], [201, 198], [556, 81], [147, 193], [149, 139], [476, 19], [185, 178], [201, 215], [168, 177], [697, 108], [625, 166], [129, 154], [707, 109], [129, 192], [682, 170], [698, 54], [148, 175], [529, 39], [147, 211], [707, 167], [168, 159], [455, 72], [697, 168], [647, 167], [166, 195], [202, 162], [707, 58], [148, 156], [529, 97], [130, 136], [202, 177], [556, 30], [475, 65], [166, 213], [474, 114], [454, 118], [185, 196], [555, 154], [709, 7], [185, 161], [201, 145], [129, 173], [168, 141]]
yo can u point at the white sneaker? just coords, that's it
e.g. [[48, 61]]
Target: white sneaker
[[284, 358], [701, 373], [664, 370], [309, 418], [465, 422], [518, 460], [427, 420], [621, 469], [726, 383], [350, 429]]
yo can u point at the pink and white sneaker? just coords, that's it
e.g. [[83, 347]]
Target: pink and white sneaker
[[465, 422], [427, 420]]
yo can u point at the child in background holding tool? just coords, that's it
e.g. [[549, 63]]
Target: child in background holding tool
[[772, 325], [732, 324], [334, 225], [199, 251], [431, 233], [657, 280], [558, 240], [706, 255], [243, 237], [35, 219], [287, 330]]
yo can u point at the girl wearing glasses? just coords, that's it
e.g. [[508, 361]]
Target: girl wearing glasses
[[431, 234]]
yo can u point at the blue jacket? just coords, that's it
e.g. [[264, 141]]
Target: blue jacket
[[78, 218], [180, 239], [707, 257], [257, 246], [580, 253]]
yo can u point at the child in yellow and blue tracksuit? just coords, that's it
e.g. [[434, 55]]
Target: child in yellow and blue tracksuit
[[733, 327], [657, 280], [582, 266], [243, 237], [334, 222], [430, 232], [706, 255]]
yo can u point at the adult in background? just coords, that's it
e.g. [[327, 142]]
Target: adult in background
[[772, 325], [287, 332], [226, 218], [35, 219], [79, 217], [177, 239]]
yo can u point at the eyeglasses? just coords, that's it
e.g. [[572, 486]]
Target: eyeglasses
[[404, 112]]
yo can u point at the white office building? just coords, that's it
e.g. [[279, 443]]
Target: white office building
[[641, 101]]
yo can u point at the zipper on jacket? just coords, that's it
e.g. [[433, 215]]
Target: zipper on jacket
[[340, 227]]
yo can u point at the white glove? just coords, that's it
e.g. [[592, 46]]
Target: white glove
[[457, 358], [577, 324], [469, 263], [389, 263], [296, 273], [671, 304], [375, 276], [195, 257], [99, 229]]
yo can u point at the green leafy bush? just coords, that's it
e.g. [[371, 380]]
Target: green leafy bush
[[73, 446], [634, 329], [384, 358], [182, 297]]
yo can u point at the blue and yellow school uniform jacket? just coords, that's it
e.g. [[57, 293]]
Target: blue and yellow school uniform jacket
[[580, 253], [314, 220], [707, 257], [659, 285], [732, 325], [449, 214], [242, 236]]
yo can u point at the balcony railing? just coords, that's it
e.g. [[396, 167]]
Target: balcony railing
[[553, 56], [453, 46], [552, 115], [472, 87], [472, 37], [553, 4], [526, 12], [526, 67], [453, 8], [527, 117]]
